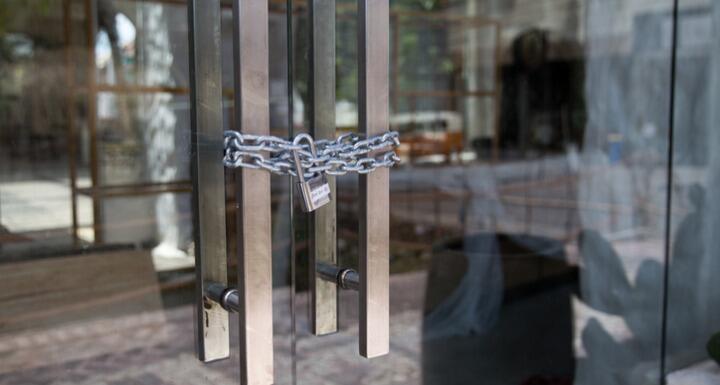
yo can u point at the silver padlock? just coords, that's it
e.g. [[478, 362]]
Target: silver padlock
[[314, 192]]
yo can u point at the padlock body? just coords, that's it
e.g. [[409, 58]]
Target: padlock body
[[314, 193]]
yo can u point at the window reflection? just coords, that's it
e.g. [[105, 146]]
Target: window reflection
[[96, 242], [539, 241], [528, 216], [692, 265]]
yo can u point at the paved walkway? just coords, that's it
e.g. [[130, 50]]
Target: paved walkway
[[156, 348]]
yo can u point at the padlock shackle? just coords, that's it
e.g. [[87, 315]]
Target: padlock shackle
[[309, 139], [298, 165]]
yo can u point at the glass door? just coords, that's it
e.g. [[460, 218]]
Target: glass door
[[550, 219], [97, 231], [550, 222]]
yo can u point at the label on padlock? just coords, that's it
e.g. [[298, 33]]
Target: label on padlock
[[315, 193], [319, 194]]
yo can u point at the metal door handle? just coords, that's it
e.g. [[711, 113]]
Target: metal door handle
[[373, 99], [212, 338], [252, 299], [252, 112], [373, 278]]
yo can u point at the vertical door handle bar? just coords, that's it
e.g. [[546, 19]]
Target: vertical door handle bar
[[374, 247], [323, 225], [373, 278], [253, 297], [250, 48], [212, 338]]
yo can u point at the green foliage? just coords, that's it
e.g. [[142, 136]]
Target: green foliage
[[12, 11], [14, 15], [713, 347], [425, 5]]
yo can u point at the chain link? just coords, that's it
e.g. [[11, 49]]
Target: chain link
[[348, 153]]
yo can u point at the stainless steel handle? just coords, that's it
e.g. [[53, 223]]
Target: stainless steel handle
[[211, 321], [253, 297], [372, 280], [250, 47], [373, 99], [323, 233]]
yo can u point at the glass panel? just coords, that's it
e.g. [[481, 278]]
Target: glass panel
[[137, 44], [139, 134], [692, 318], [528, 215], [96, 233]]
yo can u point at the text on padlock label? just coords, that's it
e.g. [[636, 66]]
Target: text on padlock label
[[319, 194]]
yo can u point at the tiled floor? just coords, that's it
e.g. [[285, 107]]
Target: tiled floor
[[156, 347]]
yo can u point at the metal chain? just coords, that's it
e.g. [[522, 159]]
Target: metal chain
[[348, 153]]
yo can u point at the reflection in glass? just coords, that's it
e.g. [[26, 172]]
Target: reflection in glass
[[96, 244], [692, 317], [528, 216]]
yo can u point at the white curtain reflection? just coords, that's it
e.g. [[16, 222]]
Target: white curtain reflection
[[622, 167], [163, 129], [708, 290], [693, 288], [141, 51]]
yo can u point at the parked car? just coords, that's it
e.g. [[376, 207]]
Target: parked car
[[428, 133]]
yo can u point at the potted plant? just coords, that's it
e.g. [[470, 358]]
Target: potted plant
[[713, 347]]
